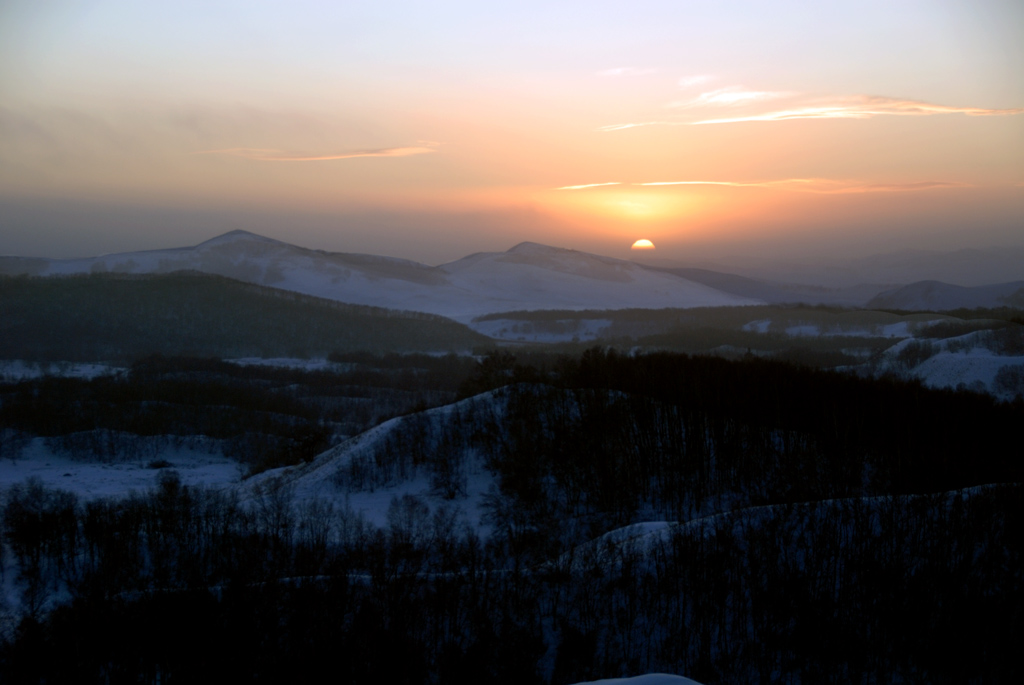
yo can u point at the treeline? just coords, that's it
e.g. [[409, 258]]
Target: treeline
[[606, 440], [185, 584], [727, 331], [125, 317], [263, 416], [918, 439], [895, 436], [1008, 314]]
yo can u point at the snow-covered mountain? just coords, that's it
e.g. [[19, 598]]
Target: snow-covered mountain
[[527, 277]]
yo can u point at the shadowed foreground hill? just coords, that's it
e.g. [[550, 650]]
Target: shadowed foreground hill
[[116, 316]]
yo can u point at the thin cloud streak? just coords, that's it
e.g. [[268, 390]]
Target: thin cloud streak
[[900, 187], [733, 96], [852, 107], [619, 127], [589, 185], [271, 155], [864, 107], [821, 186], [709, 183]]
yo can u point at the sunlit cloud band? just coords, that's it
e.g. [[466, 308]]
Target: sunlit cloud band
[[863, 108], [589, 185], [805, 185], [271, 155], [732, 96], [853, 107]]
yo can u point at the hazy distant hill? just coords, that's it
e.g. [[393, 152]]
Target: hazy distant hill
[[966, 267], [117, 316], [528, 276], [778, 293], [938, 296]]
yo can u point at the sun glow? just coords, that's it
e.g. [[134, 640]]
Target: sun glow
[[618, 203], [643, 244]]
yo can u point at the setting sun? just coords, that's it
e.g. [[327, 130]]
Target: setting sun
[[643, 244]]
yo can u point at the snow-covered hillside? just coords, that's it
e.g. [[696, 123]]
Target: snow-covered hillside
[[971, 361], [528, 276], [426, 455], [533, 276]]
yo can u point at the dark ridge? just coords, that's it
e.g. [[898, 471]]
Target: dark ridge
[[122, 317]]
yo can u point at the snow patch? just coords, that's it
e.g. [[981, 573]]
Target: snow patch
[[759, 326], [563, 330], [648, 679], [13, 370], [93, 479]]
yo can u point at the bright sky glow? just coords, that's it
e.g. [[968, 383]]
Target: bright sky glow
[[432, 130]]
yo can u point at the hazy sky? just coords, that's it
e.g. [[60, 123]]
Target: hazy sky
[[429, 130]]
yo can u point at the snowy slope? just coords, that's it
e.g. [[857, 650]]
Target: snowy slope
[[330, 478], [529, 276], [963, 361]]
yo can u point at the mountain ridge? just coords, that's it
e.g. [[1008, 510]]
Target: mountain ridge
[[527, 276], [534, 276]]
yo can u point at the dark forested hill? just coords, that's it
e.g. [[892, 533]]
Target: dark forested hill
[[116, 316], [737, 521]]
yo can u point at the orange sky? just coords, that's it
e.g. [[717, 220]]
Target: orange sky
[[431, 130]]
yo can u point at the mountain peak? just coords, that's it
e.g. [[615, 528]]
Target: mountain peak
[[236, 236], [536, 248]]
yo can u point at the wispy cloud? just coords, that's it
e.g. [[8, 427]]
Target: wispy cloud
[[272, 155], [637, 124], [626, 71], [861, 107], [732, 96], [824, 186], [711, 183], [589, 185], [739, 104], [889, 187]]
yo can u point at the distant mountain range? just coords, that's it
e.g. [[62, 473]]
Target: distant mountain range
[[527, 277]]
